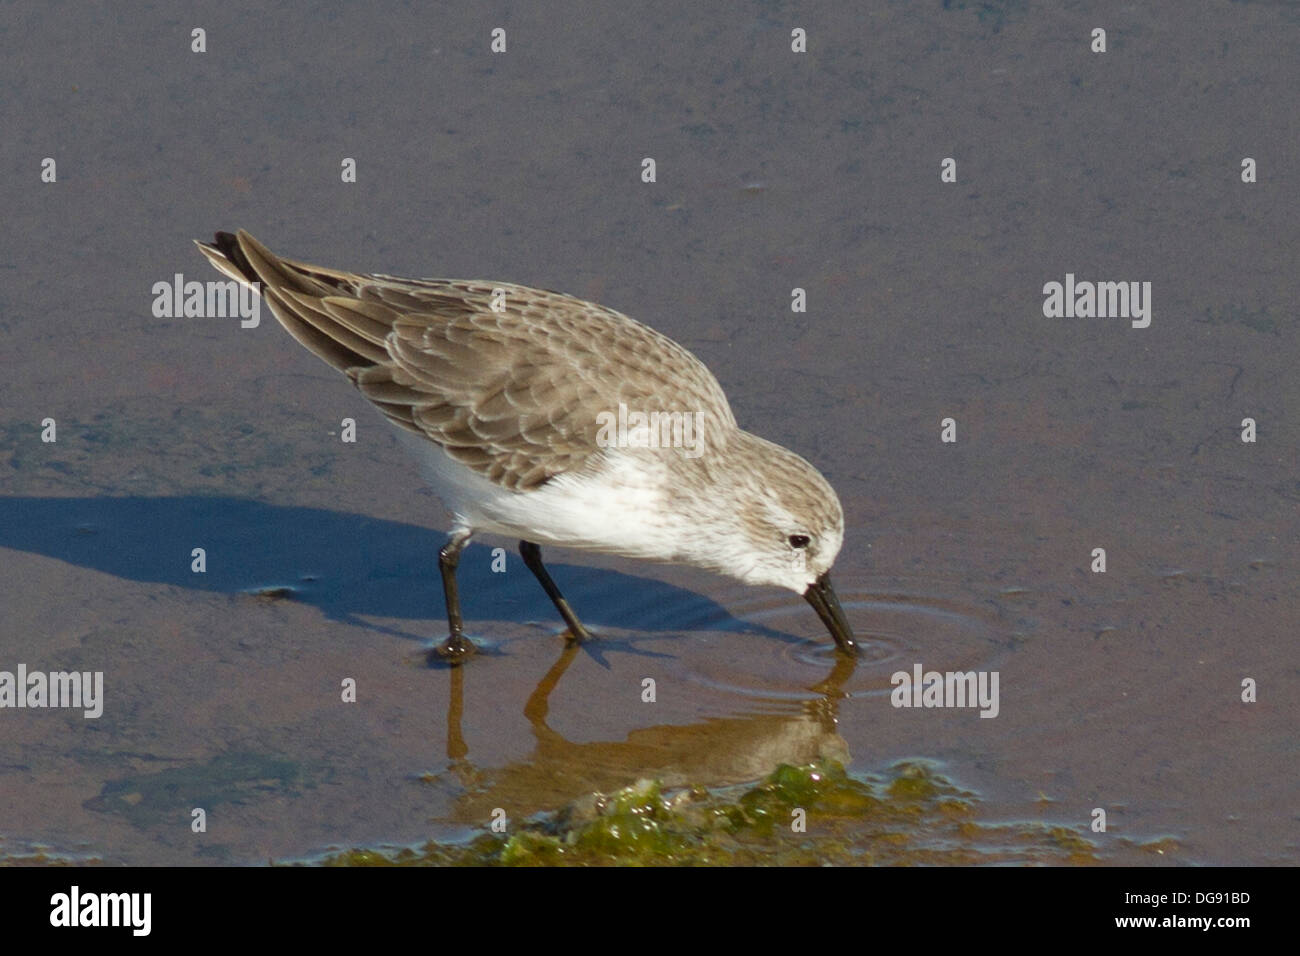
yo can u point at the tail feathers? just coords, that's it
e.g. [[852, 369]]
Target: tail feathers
[[225, 255], [244, 258], [295, 300]]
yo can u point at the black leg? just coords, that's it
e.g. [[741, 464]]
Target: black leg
[[455, 647], [533, 558]]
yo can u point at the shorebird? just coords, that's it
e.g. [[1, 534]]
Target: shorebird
[[546, 418]]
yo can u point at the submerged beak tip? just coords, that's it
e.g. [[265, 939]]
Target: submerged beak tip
[[822, 597]]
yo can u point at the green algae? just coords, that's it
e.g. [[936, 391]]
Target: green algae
[[809, 815], [31, 854], [46, 859]]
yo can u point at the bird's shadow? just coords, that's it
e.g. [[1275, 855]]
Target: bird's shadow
[[347, 565]]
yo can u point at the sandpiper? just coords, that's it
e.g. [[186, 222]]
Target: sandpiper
[[554, 420]]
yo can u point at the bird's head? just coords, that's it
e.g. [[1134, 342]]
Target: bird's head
[[785, 527]]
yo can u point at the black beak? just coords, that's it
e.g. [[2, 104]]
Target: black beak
[[822, 597]]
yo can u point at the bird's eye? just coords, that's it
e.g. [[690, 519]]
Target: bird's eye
[[799, 540]]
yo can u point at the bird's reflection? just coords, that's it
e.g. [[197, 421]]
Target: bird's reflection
[[457, 749], [712, 752]]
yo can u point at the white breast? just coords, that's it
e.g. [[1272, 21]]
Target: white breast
[[621, 509]]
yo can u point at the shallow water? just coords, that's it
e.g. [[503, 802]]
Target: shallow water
[[1119, 691]]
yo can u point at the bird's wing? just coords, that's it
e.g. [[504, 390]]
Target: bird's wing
[[509, 380]]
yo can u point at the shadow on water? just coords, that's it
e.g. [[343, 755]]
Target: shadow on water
[[344, 564]]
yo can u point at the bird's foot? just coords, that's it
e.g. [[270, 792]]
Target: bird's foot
[[573, 636], [456, 649]]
